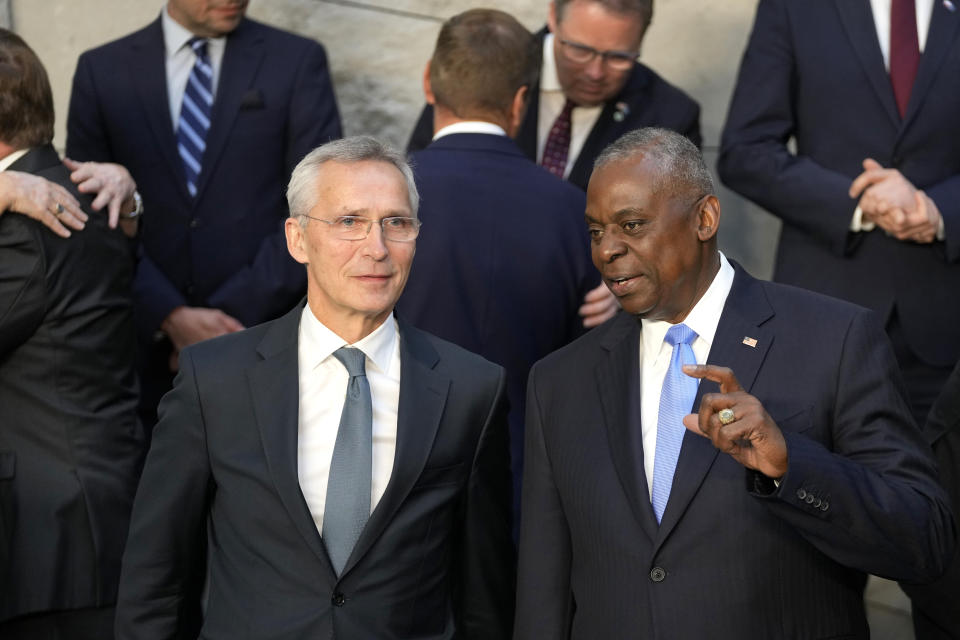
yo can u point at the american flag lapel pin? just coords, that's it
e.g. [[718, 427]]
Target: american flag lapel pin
[[750, 342]]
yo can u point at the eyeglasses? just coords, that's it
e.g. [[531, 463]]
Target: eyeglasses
[[394, 228], [584, 54]]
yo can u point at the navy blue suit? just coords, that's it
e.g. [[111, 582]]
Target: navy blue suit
[[813, 70], [734, 556], [646, 100], [225, 248], [503, 259]]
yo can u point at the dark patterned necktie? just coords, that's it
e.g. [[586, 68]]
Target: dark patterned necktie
[[557, 147], [904, 51]]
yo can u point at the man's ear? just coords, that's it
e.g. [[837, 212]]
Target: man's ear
[[295, 240], [518, 108], [708, 217], [552, 17], [427, 90]]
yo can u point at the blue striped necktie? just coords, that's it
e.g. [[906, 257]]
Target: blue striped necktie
[[676, 400], [195, 114]]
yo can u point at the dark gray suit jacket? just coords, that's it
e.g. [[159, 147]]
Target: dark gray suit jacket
[[733, 557], [70, 443], [435, 559]]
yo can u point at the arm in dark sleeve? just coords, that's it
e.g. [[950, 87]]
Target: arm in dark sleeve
[[544, 599], [754, 160], [167, 530], [22, 284], [87, 137], [273, 278], [422, 134], [488, 558], [876, 504], [946, 195]]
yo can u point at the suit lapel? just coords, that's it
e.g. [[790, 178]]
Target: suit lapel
[[275, 393], [618, 384], [745, 310], [241, 61], [857, 20], [423, 395], [940, 38], [147, 59]]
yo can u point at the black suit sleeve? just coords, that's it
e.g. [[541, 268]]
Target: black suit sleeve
[[870, 501], [754, 159], [485, 593], [22, 290], [422, 131], [167, 530], [544, 599]]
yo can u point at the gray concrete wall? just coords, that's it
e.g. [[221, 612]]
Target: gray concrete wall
[[378, 48]]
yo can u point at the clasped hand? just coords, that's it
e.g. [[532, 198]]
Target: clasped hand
[[890, 201]]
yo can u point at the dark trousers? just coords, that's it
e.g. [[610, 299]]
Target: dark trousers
[[74, 624]]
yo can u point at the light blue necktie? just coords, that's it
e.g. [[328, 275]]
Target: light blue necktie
[[195, 115], [348, 486], [676, 400]]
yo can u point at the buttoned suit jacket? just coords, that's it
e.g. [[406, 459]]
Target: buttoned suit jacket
[[224, 248], [734, 556], [503, 259], [646, 100], [832, 94], [435, 560], [70, 443]]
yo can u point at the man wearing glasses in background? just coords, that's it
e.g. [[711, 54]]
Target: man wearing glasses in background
[[353, 470], [591, 90]]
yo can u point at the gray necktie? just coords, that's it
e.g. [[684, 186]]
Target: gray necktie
[[348, 487]]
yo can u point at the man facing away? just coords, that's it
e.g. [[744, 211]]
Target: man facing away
[[503, 261], [354, 470], [209, 111], [759, 515]]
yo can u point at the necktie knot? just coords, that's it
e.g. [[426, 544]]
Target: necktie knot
[[680, 334], [199, 46], [353, 359]]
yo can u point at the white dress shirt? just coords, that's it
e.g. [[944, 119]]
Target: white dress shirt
[[9, 159], [655, 355], [552, 100], [180, 59], [323, 387], [470, 126]]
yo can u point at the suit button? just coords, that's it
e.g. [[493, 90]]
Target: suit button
[[824, 506], [809, 499], [801, 494], [338, 599], [191, 289], [657, 574], [194, 223], [816, 502]]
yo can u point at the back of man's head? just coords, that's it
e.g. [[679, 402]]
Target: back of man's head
[[644, 8], [26, 102], [482, 58]]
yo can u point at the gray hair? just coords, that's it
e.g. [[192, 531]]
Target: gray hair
[[681, 170], [301, 191], [622, 7]]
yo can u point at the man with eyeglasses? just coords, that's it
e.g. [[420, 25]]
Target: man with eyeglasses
[[591, 88], [353, 471]]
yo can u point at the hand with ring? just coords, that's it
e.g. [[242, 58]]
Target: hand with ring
[[737, 423], [42, 200]]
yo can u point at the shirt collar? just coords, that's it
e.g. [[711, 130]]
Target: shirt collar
[[318, 342], [176, 36], [13, 157], [703, 318], [470, 126], [549, 81]]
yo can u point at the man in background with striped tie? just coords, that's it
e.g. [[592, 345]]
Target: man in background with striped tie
[[209, 111]]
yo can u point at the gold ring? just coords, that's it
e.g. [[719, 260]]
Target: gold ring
[[726, 416]]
